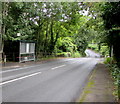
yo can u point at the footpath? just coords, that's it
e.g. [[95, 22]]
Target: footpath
[[99, 87], [12, 65]]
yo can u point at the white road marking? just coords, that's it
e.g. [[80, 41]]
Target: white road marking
[[18, 69], [13, 80], [21, 68], [75, 62], [58, 67]]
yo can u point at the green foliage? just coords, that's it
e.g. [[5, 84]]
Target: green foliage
[[17, 21], [115, 72], [58, 27], [111, 14], [104, 50], [52, 25], [112, 24], [108, 60], [63, 54], [81, 39], [76, 55], [66, 44], [93, 47]]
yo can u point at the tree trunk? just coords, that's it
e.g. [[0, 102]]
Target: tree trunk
[[46, 39], [4, 12], [52, 38], [38, 38]]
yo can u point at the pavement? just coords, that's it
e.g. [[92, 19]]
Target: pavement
[[12, 65], [99, 87]]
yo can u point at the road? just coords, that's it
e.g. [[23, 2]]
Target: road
[[91, 53], [60, 80]]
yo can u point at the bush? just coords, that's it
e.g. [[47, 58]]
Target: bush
[[68, 54], [76, 54], [115, 72], [109, 60], [104, 50], [93, 47], [63, 54]]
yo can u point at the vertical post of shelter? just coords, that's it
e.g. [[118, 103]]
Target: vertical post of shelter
[[4, 60]]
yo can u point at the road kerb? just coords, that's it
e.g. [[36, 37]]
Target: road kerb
[[82, 96]]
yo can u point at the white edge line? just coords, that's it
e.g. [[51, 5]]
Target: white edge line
[[58, 67], [21, 68], [18, 69], [20, 78]]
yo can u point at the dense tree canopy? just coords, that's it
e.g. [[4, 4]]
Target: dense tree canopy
[[112, 25], [45, 23], [63, 26]]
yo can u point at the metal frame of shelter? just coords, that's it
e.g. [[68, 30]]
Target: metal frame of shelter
[[26, 51]]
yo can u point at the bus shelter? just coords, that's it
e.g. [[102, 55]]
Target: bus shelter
[[20, 50]]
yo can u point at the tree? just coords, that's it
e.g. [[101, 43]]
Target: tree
[[46, 23], [112, 25]]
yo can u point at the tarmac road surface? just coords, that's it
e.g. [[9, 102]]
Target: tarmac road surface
[[60, 80], [90, 53]]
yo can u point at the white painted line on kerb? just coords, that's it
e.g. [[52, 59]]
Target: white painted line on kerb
[[58, 67], [13, 80]]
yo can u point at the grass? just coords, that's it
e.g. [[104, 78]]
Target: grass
[[86, 91]]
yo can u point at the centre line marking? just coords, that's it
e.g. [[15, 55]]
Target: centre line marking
[[13, 80], [58, 67]]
